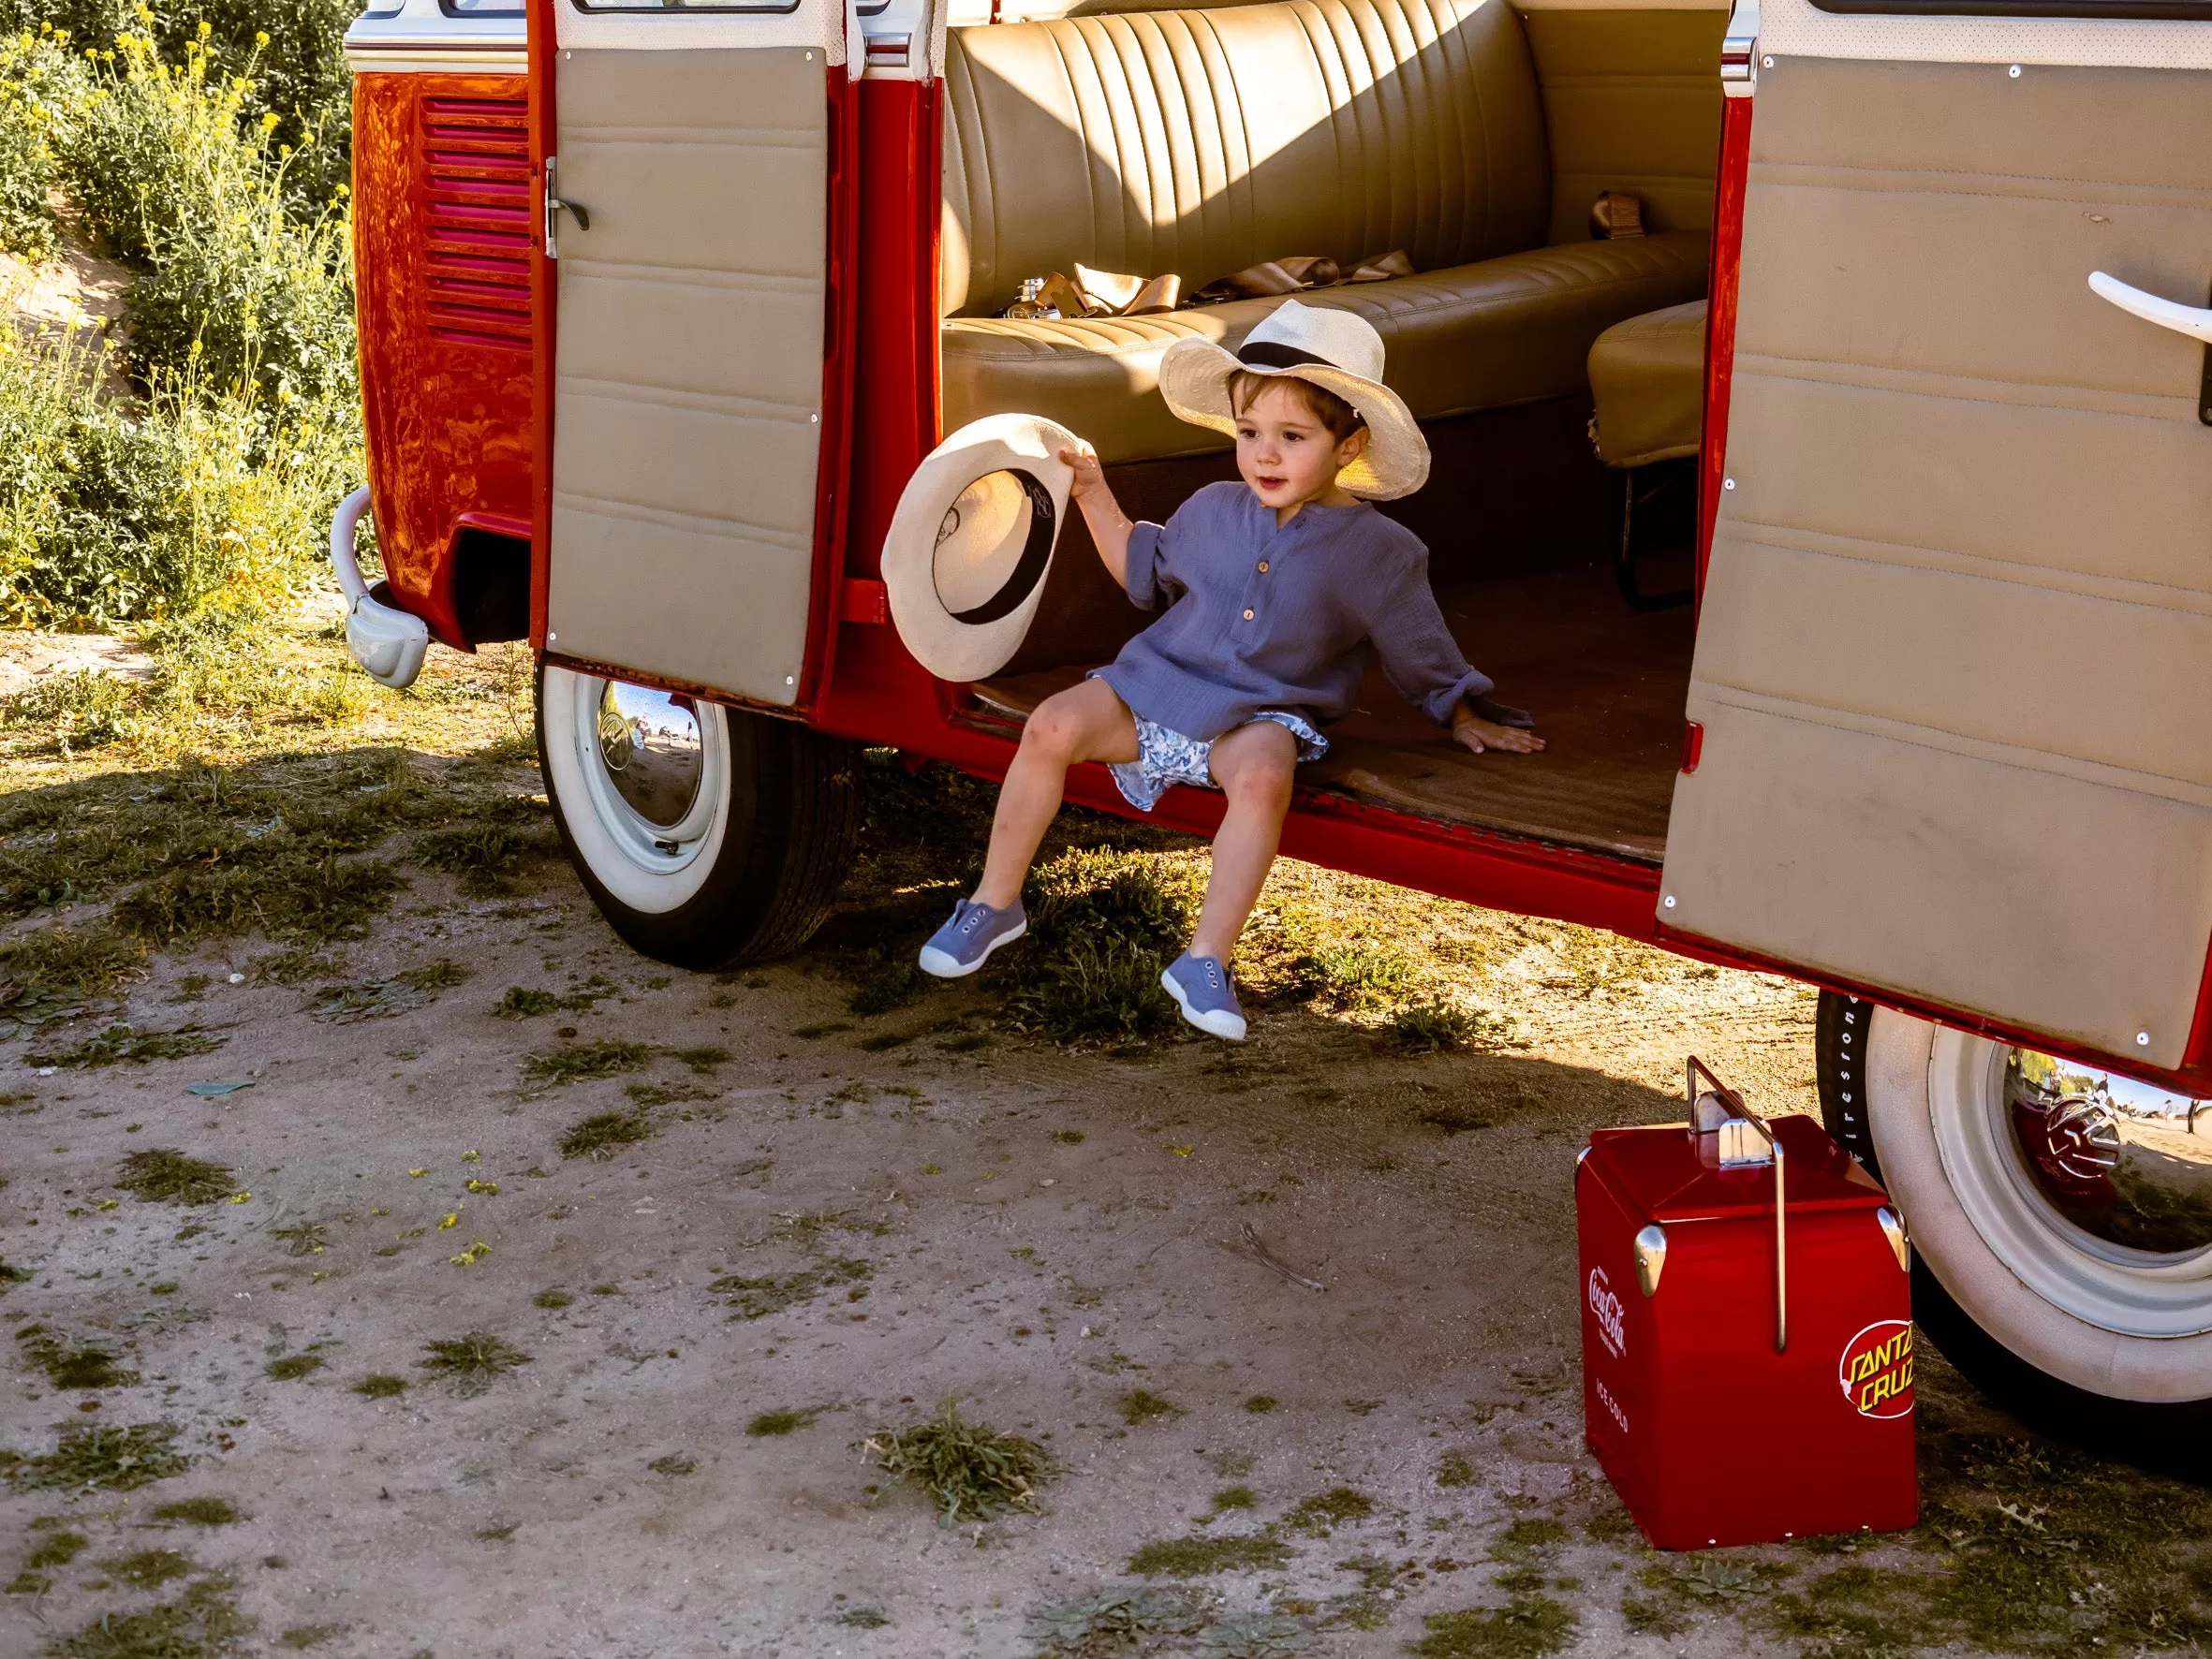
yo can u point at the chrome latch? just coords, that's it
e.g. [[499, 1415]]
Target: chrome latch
[[1739, 51], [1651, 1257], [1893, 1228], [555, 205]]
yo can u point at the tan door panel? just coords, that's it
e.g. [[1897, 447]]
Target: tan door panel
[[1953, 659], [687, 383]]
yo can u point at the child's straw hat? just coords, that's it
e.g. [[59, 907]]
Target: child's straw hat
[[1337, 350]]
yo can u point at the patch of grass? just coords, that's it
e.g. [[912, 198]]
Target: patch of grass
[[207, 1511], [1141, 1405], [701, 1060], [1339, 1505], [1453, 1469], [884, 1041], [293, 1368], [1123, 1621], [553, 1297], [822, 1028], [756, 1297], [1531, 1536], [1199, 1557], [1235, 1497], [163, 1175], [380, 1384], [604, 1134], [524, 1002], [1432, 1028], [73, 1365], [768, 1423], [884, 977], [485, 855], [473, 1362], [306, 1238], [99, 1458], [1259, 1404], [150, 1569], [47, 971], [1068, 1136], [381, 999], [968, 1471], [300, 897], [308, 1635], [576, 1061], [57, 1549], [1350, 976], [673, 1463], [122, 1043], [202, 1624], [1527, 1627], [295, 967], [1104, 922]]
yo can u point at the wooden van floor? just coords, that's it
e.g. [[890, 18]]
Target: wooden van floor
[[1606, 685]]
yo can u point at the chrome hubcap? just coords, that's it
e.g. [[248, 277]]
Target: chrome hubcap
[[2126, 1163], [650, 743]]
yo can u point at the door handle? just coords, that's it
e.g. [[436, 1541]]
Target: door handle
[[2193, 320], [555, 205]]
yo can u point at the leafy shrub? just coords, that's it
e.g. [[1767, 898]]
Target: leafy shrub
[[27, 165]]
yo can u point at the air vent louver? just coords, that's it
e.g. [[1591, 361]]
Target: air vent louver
[[475, 155]]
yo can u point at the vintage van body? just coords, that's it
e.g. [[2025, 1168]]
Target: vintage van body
[[662, 305]]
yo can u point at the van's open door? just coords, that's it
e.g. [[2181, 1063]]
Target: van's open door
[[689, 399], [1954, 662]]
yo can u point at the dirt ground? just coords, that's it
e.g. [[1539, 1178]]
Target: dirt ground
[[821, 1224]]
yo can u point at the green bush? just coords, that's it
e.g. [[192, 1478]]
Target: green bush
[[28, 171]]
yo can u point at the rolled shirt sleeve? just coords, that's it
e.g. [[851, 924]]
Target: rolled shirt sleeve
[[1144, 565], [1418, 654]]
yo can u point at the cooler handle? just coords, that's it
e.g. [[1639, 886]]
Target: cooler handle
[[1731, 1107]]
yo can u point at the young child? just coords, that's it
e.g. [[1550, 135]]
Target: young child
[[1275, 588]]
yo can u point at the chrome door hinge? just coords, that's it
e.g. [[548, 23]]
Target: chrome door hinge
[[554, 204], [1739, 51]]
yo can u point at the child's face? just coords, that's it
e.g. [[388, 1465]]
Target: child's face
[[1284, 454]]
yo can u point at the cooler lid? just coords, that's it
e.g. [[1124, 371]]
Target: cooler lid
[[1662, 1172]]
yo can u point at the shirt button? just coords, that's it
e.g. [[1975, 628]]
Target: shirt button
[[1263, 567], [1247, 616]]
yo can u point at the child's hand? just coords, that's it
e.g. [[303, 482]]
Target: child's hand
[[1089, 475], [1474, 732]]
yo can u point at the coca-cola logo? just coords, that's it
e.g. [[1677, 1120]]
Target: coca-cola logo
[[1876, 1370], [1612, 1317]]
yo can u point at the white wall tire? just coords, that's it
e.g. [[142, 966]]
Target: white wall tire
[[2101, 1344], [732, 854]]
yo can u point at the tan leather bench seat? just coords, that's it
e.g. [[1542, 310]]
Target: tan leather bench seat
[[1647, 377], [1200, 142]]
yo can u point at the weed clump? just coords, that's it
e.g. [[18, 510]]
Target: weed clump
[[45, 972], [201, 1623], [1453, 1470], [57, 1549], [602, 1133], [293, 1368], [163, 1175], [1261, 1403], [1432, 1028], [768, 1423], [967, 1469], [73, 1365], [1106, 922], [380, 1384], [756, 1298], [523, 1002], [1200, 1558], [473, 1362], [99, 1458], [120, 1043], [701, 1060], [381, 999], [553, 1297], [484, 852], [1339, 1505], [1141, 1405], [1528, 1626], [150, 1569], [575, 1061], [673, 1463], [208, 1511]]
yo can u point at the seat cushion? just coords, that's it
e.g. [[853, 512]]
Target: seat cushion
[[1647, 376], [1200, 142], [1474, 336]]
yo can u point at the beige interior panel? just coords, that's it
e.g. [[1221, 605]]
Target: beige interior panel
[[1631, 101], [1951, 659], [687, 383]]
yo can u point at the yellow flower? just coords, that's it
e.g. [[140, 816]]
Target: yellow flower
[[240, 1197], [471, 1155], [261, 37], [418, 1174], [269, 124]]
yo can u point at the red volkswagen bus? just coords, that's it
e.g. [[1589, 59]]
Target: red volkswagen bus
[[663, 305]]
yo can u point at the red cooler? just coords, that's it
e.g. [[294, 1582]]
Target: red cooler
[[1746, 1328]]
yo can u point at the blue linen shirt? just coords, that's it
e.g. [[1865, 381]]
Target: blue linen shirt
[[1262, 617]]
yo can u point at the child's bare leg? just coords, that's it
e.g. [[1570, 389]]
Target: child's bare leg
[[1086, 722], [1253, 765]]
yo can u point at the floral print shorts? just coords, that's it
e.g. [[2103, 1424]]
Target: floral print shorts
[[1167, 757]]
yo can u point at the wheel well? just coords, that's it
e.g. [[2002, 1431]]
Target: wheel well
[[490, 585]]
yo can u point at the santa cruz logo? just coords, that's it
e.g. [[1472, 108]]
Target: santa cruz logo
[[1612, 1317], [1877, 1370]]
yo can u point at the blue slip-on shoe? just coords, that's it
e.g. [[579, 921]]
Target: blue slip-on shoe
[[963, 943], [1204, 991]]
